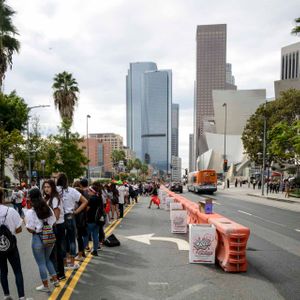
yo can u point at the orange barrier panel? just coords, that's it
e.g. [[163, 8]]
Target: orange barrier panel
[[232, 237]]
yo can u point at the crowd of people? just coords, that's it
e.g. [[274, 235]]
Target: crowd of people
[[62, 220]]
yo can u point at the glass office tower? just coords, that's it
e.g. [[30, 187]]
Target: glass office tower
[[156, 119], [175, 129], [134, 102]]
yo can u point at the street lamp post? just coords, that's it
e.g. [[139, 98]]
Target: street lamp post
[[28, 136], [264, 153], [87, 146], [225, 129]]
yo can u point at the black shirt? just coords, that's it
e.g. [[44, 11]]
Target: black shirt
[[94, 203]]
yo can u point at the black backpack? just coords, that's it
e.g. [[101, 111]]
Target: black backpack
[[7, 239], [112, 241]]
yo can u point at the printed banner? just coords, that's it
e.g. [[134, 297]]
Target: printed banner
[[178, 221], [202, 238]]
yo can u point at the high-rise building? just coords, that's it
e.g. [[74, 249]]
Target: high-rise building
[[191, 153], [156, 116], [210, 75], [176, 168], [290, 69], [175, 129], [115, 140], [134, 103], [229, 77]]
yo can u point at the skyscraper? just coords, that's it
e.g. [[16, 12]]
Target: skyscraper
[[175, 129], [191, 153], [210, 75], [156, 117], [134, 102]]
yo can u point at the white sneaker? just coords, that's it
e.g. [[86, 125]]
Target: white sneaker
[[72, 267], [56, 283], [43, 288], [79, 258]]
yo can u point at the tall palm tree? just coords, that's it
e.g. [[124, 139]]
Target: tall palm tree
[[65, 95], [8, 44], [296, 29]]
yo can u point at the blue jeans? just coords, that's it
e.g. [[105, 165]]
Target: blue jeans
[[70, 225], [14, 260], [93, 229], [42, 257]]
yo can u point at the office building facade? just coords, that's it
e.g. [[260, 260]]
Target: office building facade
[[175, 129], [115, 140], [290, 69], [191, 153], [210, 75], [156, 115], [134, 91]]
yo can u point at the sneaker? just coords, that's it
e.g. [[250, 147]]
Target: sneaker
[[43, 288], [94, 253], [149, 207], [88, 249], [56, 283], [79, 258], [72, 267], [62, 278]]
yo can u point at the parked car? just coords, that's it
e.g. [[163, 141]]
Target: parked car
[[176, 187]]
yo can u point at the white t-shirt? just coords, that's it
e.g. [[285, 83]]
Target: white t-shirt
[[121, 190], [20, 196], [61, 208], [70, 197], [12, 221], [36, 224]]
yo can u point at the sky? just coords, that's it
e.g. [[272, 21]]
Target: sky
[[95, 40]]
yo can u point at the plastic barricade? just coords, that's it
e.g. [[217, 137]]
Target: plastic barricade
[[232, 237]]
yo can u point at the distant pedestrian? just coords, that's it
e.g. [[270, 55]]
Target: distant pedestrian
[[287, 189], [154, 196], [114, 201], [121, 190], [236, 182], [13, 222]]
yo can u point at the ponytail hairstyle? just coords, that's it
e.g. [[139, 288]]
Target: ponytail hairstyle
[[40, 206], [62, 181], [54, 192]]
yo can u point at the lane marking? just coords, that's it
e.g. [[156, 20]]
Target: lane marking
[[297, 230], [244, 212], [263, 219], [69, 290], [158, 283]]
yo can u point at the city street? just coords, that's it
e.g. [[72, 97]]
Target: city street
[[157, 269]]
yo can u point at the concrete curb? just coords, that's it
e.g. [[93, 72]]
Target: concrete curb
[[271, 198]]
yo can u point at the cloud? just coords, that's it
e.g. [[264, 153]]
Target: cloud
[[96, 40]]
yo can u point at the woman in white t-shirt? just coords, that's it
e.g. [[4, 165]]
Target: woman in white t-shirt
[[11, 219], [39, 214], [58, 255], [73, 203]]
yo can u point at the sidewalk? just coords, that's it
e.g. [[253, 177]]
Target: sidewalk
[[257, 193]]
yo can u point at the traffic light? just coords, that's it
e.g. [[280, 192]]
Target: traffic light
[[225, 165]]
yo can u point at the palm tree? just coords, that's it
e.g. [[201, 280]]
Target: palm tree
[[65, 94], [8, 44], [296, 29]]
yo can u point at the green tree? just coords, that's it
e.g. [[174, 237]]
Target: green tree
[[117, 156], [129, 165], [137, 164], [65, 94], [144, 169], [285, 142], [13, 117], [296, 29], [65, 154], [284, 109], [8, 43]]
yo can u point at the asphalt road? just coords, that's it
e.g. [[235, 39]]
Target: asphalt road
[[274, 244], [159, 270]]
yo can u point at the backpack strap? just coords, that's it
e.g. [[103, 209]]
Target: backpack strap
[[5, 215]]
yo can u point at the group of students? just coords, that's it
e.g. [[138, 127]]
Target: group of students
[[73, 215]]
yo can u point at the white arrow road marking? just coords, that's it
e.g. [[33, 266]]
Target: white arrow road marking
[[145, 238], [297, 230]]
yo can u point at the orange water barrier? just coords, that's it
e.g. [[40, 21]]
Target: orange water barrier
[[232, 237]]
